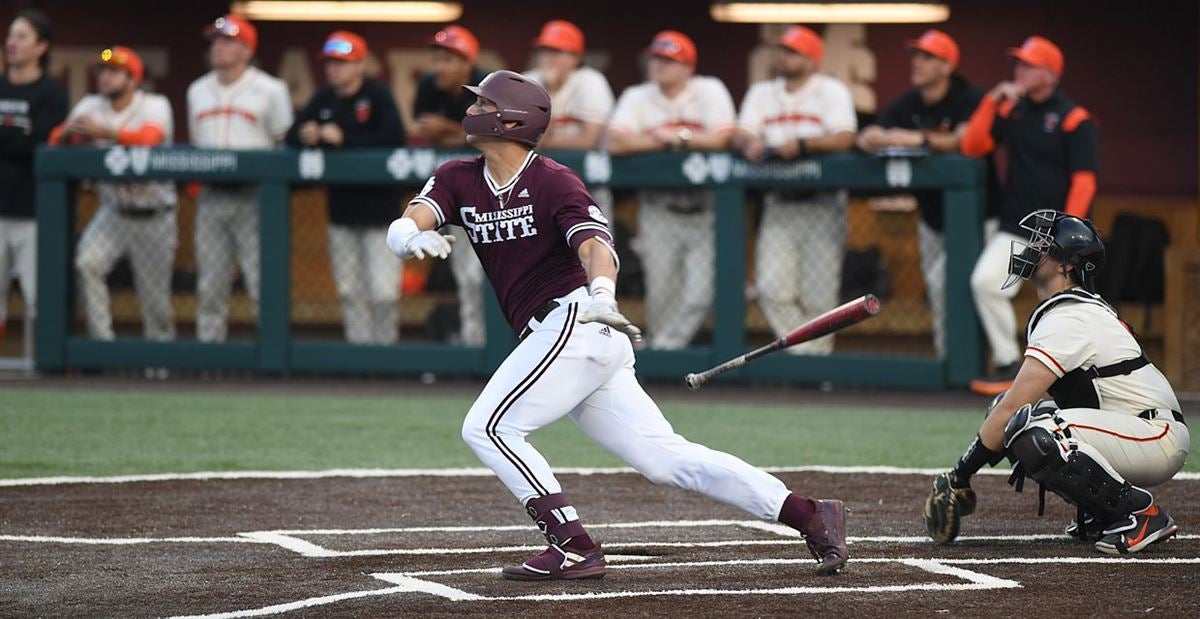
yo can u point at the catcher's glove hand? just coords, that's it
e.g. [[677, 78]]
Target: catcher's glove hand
[[945, 508]]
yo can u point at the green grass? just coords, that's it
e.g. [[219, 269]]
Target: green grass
[[44, 432]]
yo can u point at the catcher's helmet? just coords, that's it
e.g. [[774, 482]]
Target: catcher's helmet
[[1065, 238], [518, 99]]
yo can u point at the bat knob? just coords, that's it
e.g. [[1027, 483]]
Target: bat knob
[[693, 381]]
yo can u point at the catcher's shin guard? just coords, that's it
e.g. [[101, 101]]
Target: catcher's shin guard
[[1080, 475]]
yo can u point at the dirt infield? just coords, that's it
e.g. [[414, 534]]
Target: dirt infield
[[430, 545]]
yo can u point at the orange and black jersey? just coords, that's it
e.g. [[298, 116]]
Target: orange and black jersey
[[1052, 149]]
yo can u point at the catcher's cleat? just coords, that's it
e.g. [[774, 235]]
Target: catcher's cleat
[[826, 536], [1150, 526], [559, 563], [1091, 530], [945, 508]]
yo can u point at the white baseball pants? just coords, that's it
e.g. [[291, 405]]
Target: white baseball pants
[[798, 260], [586, 372], [18, 251], [1144, 452], [150, 244], [368, 283], [226, 232], [994, 305], [678, 260]]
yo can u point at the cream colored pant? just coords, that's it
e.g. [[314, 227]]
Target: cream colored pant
[[1143, 452], [367, 277], [994, 305]]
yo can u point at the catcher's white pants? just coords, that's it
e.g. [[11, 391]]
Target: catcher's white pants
[[677, 251], [226, 232], [150, 244], [18, 251], [586, 371], [468, 276], [1144, 452], [994, 305], [368, 283], [798, 262]]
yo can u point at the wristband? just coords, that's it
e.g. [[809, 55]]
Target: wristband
[[400, 233], [603, 285]]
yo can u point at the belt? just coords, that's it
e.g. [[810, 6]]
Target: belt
[[134, 212], [1155, 413], [539, 316]]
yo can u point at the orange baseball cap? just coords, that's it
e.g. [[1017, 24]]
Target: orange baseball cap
[[344, 45], [804, 41], [458, 40], [561, 35], [123, 58], [937, 43], [234, 27], [1039, 52], [673, 45]]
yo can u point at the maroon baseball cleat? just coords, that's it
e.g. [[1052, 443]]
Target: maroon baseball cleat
[[826, 536], [558, 563]]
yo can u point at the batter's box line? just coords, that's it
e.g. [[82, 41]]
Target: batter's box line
[[407, 582], [974, 581]]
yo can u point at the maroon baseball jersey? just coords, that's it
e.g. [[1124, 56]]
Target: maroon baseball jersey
[[526, 233]]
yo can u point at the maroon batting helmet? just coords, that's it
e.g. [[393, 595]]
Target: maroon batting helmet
[[518, 99]]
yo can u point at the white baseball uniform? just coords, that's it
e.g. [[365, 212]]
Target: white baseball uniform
[[802, 237], [675, 228], [1130, 422], [136, 219], [252, 112], [584, 97]]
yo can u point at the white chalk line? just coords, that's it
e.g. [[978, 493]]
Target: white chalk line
[[459, 472], [127, 541], [276, 609]]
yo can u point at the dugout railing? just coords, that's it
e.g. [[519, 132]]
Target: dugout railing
[[276, 350]]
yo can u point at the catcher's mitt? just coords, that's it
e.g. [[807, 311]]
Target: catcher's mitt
[[945, 508]]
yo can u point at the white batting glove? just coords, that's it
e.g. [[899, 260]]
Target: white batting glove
[[602, 308], [407, 241]]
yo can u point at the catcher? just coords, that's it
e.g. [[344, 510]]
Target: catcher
[[1114, 426]]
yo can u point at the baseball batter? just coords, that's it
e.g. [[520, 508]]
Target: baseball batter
[[802, 236], [135, 219], [549, 256], [234, 106], [674, 110], [1114, 426]]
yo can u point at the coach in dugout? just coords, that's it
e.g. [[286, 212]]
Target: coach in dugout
[[1051, 146], [933, 115], [353, 111]]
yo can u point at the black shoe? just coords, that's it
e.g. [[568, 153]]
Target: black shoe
[[1150, 526]]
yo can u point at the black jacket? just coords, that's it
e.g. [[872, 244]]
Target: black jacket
[[368, 119], [27, 114]]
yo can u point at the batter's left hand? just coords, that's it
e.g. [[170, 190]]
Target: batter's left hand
[[603, 309]]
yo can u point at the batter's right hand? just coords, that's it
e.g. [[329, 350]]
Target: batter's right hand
[[429, 243], [603, 309]]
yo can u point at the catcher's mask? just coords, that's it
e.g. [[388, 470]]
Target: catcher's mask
[[1058, 236]]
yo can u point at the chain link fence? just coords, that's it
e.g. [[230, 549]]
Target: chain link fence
[[807, 252]]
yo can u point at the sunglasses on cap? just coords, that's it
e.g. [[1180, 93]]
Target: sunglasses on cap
[[337, 47], [665, 45], [225, 27], [108, 56]]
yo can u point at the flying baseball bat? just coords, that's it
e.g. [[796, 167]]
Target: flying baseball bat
[[835, 319]]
